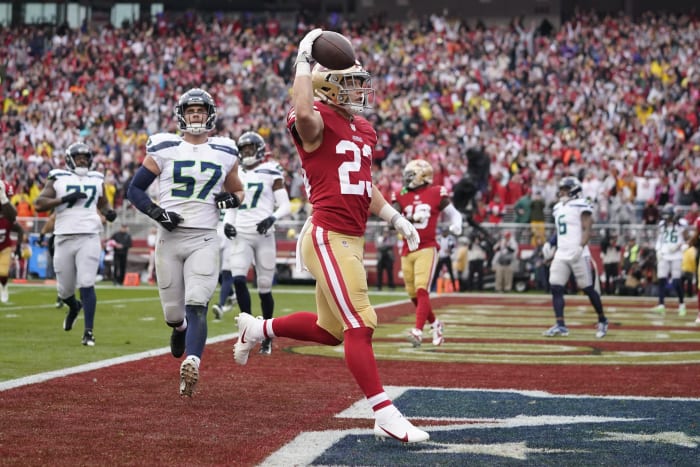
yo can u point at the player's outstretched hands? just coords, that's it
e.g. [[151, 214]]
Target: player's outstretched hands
[[265, 224], [73, 197], [409, 232], [230, 231], [304, 54], [226, 200], [168, 219]]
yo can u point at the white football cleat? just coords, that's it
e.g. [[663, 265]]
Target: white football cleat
[[189, 375], [681, 310], [438, 338], [415, 337], [250, 331], [389, 423]]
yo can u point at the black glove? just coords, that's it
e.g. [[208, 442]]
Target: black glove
[[230, 231], [265, 224], [227, 200], [168, 219], [111, 215], [73, 197]]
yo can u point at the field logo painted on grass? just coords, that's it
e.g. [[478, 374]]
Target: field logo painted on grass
[[476, 426]]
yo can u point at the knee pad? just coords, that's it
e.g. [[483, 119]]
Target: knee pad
[[175, 325], [558, 289]]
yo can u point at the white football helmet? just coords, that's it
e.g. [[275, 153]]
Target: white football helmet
[[350, 88], [417, 173]]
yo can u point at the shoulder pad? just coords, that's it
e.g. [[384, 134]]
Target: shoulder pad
[[159, 141], [53, 174], [221, 143], [96, 174]]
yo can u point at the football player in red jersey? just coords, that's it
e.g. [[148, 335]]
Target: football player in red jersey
[[8, 215], [335, 145], [423, 203]]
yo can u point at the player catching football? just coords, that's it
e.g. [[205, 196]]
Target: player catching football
[[335, 145]]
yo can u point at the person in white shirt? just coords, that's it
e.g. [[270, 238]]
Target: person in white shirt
[[77, 197], [197, 177], [574, 226], [670, 244]]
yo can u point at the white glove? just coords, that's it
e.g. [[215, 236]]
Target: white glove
[[3, 194], [456, 229], [304, 54], [405, 228]]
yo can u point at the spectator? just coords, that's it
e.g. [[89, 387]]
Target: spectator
[[611, 255], [122, 243], [386, 245], [477, 254], [504, 260], [651, 214]]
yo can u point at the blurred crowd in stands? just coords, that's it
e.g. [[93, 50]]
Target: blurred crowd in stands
[[613, 101]]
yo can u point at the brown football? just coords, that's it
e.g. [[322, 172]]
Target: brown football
[[333, 50]]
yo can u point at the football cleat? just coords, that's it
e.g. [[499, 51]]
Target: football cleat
[[218, 312], [266, 346], [177, 342], [437, 329], [556, 330], [71, 316], [415, 337], [681, 310], [189, 375], [250, 331], [390, 423], [89, 339], [602, 329], [659, 309]]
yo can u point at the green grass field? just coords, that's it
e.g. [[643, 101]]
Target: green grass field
[[128, 320]]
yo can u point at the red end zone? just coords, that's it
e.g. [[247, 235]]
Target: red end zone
[[130, 414]]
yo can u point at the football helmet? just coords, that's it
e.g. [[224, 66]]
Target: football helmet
[[196, 96], [79, 149], [417, 173], [350, 88], [668, 213], [251, 147], [571, 187]]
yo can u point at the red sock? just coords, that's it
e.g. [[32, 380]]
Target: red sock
[[302, 326], [359, 357], [424, 310]]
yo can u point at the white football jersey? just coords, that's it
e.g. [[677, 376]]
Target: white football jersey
[[191, 175], [78, 217], [670, 238], [259, 200], [567, 219]]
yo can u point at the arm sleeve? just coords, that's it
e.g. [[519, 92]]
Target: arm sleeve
[[454, 216], [137, 189], [283, 205]]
